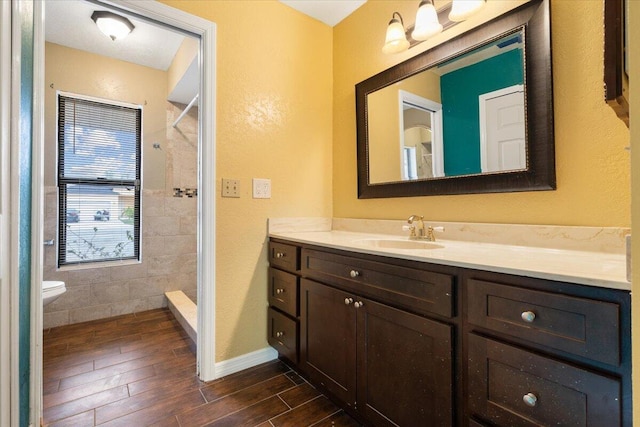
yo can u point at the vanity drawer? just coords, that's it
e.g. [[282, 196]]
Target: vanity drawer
[[286, 257], [283, 291], [283, 334], [512, 387], [415, 289], [580, 326]]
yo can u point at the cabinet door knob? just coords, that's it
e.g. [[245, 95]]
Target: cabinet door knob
[[530, 399], [279, 291], [358, 304], [348, 301], [279, 334], [280, 254], [528, 316], [354, 273]]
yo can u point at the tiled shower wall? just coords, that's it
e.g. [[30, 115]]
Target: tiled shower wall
[[169, 226]]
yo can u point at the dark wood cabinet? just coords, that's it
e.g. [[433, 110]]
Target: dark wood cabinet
[[514, 387], [407, 343], [283, 321], [393, 367], [328, 339]]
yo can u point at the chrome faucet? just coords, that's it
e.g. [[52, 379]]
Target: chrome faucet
[[419, 232]]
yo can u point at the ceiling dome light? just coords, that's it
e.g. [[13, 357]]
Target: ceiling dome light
[[114, 26], [463, 9], [396, 39], [427, 24]]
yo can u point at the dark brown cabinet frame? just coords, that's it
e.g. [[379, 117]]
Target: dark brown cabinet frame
[[464, 334]]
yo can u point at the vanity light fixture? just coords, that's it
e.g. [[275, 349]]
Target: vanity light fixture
[[114, 26], [396, 39], [463, 9], [429, 22]]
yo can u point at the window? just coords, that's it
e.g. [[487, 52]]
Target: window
[[99, 150]]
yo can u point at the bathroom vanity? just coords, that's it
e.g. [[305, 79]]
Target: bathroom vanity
[[408, 337]]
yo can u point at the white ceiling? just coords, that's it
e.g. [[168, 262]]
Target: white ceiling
[[331, 12], [68, 23]]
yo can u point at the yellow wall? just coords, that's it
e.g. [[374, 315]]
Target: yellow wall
[[591, 164], [384, 132], [274, 120], [185, 55], [83, 73], [634, 97]]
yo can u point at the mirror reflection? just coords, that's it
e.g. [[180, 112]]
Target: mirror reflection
[[465, 116]]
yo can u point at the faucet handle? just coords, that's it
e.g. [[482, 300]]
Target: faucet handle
[[430, 236], [411, 229]]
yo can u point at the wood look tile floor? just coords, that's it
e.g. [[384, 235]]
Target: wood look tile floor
[[139, 370]]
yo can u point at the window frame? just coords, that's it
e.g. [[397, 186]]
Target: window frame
[[62, 182]]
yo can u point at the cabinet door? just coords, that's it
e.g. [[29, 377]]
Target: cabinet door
[[328, 338], [516, 388], [405, 372]]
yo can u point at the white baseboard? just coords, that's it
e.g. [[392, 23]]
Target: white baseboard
[[249, 360]]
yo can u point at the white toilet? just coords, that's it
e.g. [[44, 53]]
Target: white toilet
[[51, 291]]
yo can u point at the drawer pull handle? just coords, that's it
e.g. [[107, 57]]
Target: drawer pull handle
[[530, 399], [354, 273], [528, 316], [348, 301], [279, 334], [279, 291], [358, 304], [280, 254]]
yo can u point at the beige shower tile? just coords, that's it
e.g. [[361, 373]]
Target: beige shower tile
[[171, 264], [182, 244], [75, 297], [86, 314], [161, 226], [179, 206], [189, 225], [105, 293], [127, 307], [52, 273], [89, 276], [56, 318], [148, 287], [128, 272], [153, 204], [159, 301]]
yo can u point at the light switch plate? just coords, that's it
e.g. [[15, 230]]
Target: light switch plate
[[261, 188], [230, 187]]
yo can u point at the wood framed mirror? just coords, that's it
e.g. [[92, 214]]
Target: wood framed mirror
[[395, 168], [616, 74]]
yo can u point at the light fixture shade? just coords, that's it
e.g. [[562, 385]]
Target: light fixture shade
[[114, 26], [396, 39], [463, 9], [427, 24]]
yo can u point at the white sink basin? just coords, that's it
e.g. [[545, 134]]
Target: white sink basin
[[397, 244]]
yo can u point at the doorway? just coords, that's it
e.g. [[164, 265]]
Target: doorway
[[204, 210]]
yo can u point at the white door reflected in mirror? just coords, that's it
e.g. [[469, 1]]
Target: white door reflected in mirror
[[502, 130]]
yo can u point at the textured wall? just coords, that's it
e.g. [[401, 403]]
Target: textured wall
[[591, 163], [274, 120]]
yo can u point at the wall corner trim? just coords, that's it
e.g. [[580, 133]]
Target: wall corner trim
[[248, 360]]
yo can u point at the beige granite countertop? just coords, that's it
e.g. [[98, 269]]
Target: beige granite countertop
[[557, 255]]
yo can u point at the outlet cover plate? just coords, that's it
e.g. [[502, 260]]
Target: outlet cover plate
[[230, 187], [261, 188]]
